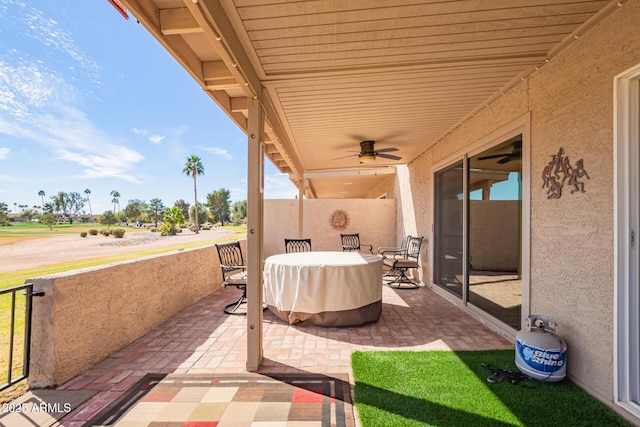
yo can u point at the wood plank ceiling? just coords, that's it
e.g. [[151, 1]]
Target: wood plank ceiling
[[334, 72]]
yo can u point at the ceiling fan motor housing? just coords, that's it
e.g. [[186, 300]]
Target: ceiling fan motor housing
[[366, 147]]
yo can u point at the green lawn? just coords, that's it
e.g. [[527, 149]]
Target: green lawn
[[16, 278], [446, 388]]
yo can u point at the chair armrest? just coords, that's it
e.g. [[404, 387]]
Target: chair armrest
[[236, 267], [390, 250], [370, 247]]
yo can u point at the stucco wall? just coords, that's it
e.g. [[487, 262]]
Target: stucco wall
[[86, 315], [373, 219], [570, 102]]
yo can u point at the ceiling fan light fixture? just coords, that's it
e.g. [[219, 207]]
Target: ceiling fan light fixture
[[367, 158]]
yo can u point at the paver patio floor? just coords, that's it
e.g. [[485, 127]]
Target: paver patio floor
[[203, 340]]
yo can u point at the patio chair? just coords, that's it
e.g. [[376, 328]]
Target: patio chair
[[351, 243], [297, 245], [234, 273], [394, 252], [401, 264]]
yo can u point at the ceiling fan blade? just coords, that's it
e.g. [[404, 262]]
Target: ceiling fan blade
[[389, 156], [387, 150], [494, 156], [505, 160], [344, 157]]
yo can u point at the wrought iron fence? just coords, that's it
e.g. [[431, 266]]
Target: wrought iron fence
[[12, 334]]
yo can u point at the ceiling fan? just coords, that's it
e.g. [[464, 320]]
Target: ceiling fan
[[516, 153], [368, 154]]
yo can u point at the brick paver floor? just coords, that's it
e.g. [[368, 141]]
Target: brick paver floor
[[203, 340]]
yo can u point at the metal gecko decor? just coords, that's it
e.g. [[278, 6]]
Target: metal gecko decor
[[559, 171], [339, 219]]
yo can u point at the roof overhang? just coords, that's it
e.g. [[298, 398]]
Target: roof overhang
[[403, 73]]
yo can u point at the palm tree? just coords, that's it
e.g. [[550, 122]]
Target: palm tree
[[87, 192], [116, 200], [194, 167], [42, 194]]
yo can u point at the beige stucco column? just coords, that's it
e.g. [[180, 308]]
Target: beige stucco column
[[255, 232], [301, 209]]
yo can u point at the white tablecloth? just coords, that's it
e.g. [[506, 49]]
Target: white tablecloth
[[324, 288]]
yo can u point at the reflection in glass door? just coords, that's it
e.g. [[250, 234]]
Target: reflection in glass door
[[448, 232], [495, 230], [491, 203]]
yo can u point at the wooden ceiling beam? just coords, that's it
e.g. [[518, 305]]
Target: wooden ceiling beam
[[148, 15], [239, 105], [212, 18], [178, 21]]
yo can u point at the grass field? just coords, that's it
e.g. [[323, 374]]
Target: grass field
[[24, 231]]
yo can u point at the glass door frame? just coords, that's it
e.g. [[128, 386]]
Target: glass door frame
[[626, 246], [520, 126]]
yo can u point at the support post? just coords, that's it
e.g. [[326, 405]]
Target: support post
[[301, 210], [255, 231]]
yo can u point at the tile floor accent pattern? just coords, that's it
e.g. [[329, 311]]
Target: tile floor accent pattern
[[203, 340], [312, 400]]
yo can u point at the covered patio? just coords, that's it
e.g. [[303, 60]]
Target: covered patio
[[203, 340], [433, 105]]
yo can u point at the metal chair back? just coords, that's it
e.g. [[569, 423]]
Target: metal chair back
[[297, 245], [231, 259], [351, 243], [413, 247]]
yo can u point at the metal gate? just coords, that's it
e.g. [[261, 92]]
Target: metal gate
[[13, 339]]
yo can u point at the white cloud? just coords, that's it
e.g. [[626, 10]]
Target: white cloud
[[139, 131], [156, 139], [72, 137], [4, 152], [39, 105], [47, 32], [224, 153], [278, 186]]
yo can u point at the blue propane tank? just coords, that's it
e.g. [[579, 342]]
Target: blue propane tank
[[540, 353]]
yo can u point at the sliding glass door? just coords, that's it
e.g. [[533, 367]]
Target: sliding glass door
[[478, 230], [448, 236]]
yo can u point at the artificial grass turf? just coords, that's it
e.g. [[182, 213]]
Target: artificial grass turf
[[446, 388]]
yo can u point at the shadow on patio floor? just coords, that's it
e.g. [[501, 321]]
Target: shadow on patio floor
[[203, 340]]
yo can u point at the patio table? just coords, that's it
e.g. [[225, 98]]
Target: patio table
[[324, 288]]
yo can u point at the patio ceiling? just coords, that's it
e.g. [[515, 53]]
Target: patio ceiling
[[333, 73]]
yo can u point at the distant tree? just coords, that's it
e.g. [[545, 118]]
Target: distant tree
[[48, 219], [121, 218], [172, 218], [68, 204], [183, 206], [155, 210], [218, 203], [15, 207], [29, 214], [42, 194], [238, 211], [48, 208], [76, 203], [107, 218], [87, 192], [193, 167], [59, 202], [4, 216], [135, 209], [115, 199], [202, 214]]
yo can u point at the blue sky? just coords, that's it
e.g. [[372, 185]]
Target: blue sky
[[89, 100]]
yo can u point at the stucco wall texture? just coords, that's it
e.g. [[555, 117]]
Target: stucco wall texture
[[373, 219], [88, 314], [570, 103]]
